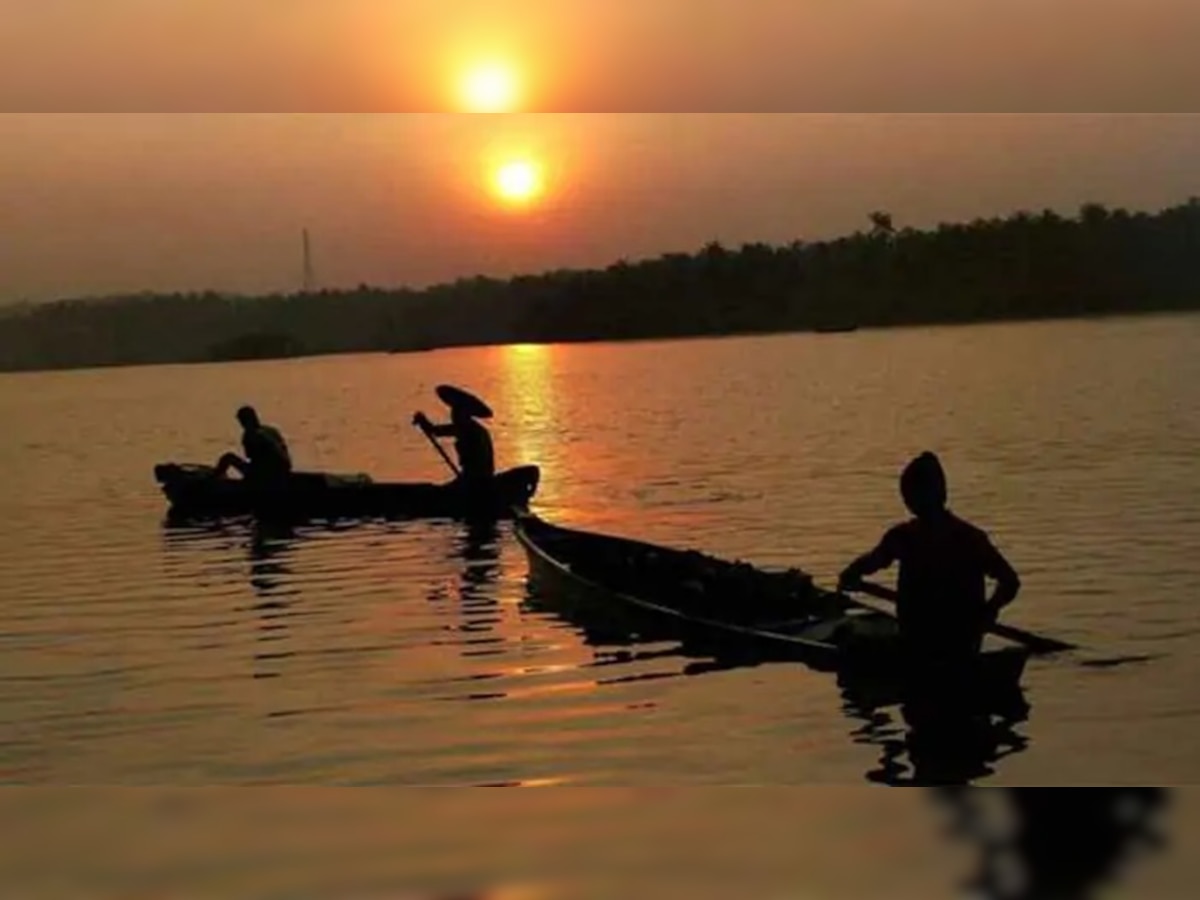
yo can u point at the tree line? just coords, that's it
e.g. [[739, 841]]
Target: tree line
[[1024, 266]]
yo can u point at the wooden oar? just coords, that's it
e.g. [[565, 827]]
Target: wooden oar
[[517, 511], [442, 450], [1035, 642]]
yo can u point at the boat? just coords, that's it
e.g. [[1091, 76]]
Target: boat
[[723, 608], [194, 491]]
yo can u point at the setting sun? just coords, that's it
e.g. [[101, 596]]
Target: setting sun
[[518, 181], [490, 89]]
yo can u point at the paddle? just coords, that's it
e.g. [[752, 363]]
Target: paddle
[[440, 449], [455, 398], [517, 511], [1035, 642]]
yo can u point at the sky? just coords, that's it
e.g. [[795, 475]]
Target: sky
[[602, 55], [172, 146]]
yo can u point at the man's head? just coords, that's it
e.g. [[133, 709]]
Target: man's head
[[923, 485], [248, 417]]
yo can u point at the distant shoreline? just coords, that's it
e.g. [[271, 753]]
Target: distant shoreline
[[669, 339], [1026, 267]]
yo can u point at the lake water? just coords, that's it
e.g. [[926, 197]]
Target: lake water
[[413, 653]]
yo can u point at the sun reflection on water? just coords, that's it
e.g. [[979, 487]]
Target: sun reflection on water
[[529, 395]]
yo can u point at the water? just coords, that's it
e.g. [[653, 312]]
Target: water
[[412, 653]]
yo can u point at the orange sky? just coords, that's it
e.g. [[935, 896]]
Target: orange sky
[[133, 153], [105, 203], [603, 56], [108, 203]]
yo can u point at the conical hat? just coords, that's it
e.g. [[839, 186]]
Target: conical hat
[[458, 399]]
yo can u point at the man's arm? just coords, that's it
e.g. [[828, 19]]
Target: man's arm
[[1008, 583], [876, 560], [422, 422]]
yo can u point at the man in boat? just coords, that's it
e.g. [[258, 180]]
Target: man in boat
[[267, 457], [942, 608], [472, 442]]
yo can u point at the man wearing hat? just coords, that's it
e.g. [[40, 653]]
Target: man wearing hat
[[942, 607], [472, 442]]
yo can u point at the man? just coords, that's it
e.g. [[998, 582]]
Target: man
[[472, 443], [942, 607], [267, 456]]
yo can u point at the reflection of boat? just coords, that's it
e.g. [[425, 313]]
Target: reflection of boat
[[726, 608], [194, 491]]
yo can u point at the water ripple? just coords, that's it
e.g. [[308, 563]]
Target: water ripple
[[139, 652]]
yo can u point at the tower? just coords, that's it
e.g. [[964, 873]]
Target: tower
[[309, 276]]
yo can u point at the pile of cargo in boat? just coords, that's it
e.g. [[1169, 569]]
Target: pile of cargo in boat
[[694, 582]]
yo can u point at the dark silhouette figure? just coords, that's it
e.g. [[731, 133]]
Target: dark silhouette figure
[[267, 457], [472, 442], [1063, 844], [942, 606]]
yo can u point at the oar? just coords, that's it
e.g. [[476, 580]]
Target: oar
[[516, 511], [1035, 642], [442, 450]]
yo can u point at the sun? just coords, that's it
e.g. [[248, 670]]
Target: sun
[[490, 88], [518, 181]]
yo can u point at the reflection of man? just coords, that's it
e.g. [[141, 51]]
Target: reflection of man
[[267, 456]]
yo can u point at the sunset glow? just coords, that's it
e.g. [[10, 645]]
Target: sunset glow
[[490, 88], [518, 182]]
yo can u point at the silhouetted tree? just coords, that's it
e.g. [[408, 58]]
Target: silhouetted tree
[[881, 224], [1029, 265]]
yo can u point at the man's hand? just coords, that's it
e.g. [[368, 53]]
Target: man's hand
[[421, 421], [849, 581]]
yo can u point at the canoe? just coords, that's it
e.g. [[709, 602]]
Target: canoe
[[194, 491], [724, 608]]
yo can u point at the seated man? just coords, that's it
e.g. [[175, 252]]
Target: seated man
[[267, 456]]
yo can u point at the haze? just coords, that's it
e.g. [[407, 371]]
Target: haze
[[96, 204], [601, 56], [174, 146]]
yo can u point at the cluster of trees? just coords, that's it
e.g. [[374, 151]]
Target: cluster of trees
[[1020, 267]]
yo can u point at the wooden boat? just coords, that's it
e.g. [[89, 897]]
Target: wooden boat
[[193, 491], [723, 608]]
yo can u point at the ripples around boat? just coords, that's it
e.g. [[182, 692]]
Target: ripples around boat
[[417, 653]]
